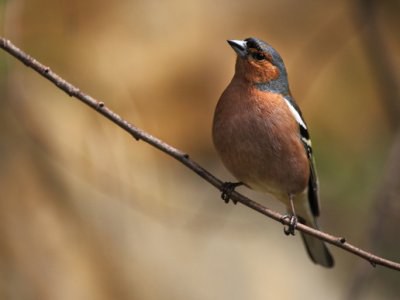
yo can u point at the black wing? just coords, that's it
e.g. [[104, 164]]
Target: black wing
[[313, 195]]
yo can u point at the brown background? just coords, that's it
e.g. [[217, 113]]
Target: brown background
[[87, 213]]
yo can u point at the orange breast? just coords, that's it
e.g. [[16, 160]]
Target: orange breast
[[258, 140]]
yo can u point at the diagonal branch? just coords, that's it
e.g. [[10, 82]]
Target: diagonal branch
[[182, 157]]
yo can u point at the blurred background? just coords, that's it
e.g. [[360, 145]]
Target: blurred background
[[88, 213]]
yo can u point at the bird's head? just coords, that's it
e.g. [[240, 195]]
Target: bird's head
[[257, 61]]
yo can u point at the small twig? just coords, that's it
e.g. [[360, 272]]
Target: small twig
[[182, 157]]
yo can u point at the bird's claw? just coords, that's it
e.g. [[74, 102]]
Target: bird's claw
[[290, 229], [227, 190]]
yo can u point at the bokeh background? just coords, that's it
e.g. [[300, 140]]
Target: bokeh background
[[88, 213]]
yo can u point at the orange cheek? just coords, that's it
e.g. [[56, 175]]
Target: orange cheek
[[256, 72]]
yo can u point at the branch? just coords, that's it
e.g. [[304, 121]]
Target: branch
[[182, 157]]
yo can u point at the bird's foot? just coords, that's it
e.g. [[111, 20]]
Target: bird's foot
[[227, 189], [290, 229]]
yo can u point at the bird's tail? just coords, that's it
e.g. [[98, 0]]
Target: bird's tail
[[316, 249]]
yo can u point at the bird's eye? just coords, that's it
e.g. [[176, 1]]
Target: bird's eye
[[258, 56]]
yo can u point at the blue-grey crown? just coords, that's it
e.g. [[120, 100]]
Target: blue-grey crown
[[267, 48], [281, 84]]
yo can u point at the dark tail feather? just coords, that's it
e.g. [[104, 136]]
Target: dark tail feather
[[316, 248]]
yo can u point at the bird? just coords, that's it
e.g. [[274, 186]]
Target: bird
[[261, 137]]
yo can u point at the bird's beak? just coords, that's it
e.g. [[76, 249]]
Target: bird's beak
[[239, 46]]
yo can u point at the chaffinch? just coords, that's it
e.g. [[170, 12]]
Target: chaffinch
[[263, 140]]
